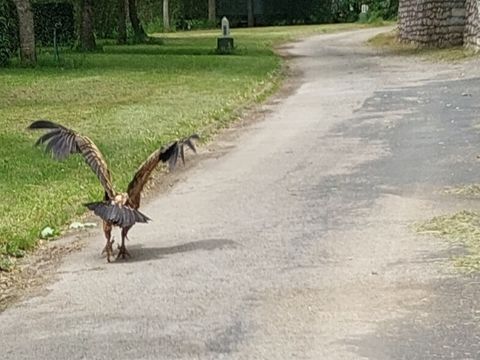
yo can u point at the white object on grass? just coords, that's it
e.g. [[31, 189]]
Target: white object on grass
[[46, 232]]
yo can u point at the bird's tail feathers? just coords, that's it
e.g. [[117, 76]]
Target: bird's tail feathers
[[123, 216]]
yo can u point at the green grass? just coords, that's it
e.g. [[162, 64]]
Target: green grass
[[389, 41], [129, 100]]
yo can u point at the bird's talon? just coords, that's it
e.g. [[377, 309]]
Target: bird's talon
[[108, 249], [123, 252]]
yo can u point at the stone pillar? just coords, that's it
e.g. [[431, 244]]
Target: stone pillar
[[471, 37], [437, 23]]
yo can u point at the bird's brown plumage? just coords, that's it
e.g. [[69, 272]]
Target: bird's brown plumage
[[116, 209], [62, 142], [168, 154]]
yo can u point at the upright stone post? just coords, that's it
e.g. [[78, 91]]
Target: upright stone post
[[363, 17], [225, 42]]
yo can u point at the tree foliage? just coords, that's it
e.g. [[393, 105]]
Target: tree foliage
[[385, 9], [349, 10], [296, 12], [54, 17], [284, 12], [127, 20], [8, 31]]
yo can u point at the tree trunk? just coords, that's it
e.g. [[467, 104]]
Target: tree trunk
[[140, 35], [212, 10], [251, 18], [122, 22], [28, 55], [166, 16], [87, 37]]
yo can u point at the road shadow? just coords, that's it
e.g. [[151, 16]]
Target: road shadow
[[139, 253]]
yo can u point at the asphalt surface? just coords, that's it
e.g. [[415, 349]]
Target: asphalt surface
[[294, 239]]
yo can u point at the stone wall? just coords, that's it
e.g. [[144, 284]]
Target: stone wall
[[439, 23], [472, 27]]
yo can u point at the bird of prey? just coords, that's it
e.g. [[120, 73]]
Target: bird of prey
[[116, 209]]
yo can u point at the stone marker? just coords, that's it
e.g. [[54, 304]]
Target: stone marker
[[363, 17], [225, 42]]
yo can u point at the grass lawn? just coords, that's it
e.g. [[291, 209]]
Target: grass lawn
[[129, 100]]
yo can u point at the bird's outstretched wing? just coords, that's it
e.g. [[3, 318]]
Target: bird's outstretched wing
[[123, 216], [168, 154], [61, 142]]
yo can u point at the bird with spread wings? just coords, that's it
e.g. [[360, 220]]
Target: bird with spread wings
[[116, 209]]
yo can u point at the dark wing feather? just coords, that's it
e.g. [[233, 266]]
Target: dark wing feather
[[123, 216], [61, 142], [44, 138], [45, 124], [189, 143]]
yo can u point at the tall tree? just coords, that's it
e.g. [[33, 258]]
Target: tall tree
[[212, 10], [28, 55], [122, 22], [251, 18], [166, 16], [140, 35], [87, 36]]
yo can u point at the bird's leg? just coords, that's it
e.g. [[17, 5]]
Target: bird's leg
[[122, 250], [108, 249]]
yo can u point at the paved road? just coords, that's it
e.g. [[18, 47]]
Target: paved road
[[295, 242]]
